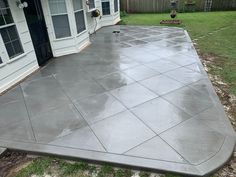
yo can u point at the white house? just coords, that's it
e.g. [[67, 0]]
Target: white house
[[34, 31]]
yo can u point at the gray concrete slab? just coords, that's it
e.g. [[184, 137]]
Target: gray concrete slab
[[139, 98]]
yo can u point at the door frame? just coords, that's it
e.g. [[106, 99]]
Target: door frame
[[39, 9]]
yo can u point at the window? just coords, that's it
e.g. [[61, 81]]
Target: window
[[11, 40], [91, 4], [59, 18], [8, 31], [79, 15], [115, 5], [106, 7]]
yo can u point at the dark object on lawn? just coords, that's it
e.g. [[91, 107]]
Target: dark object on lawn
[[173, 14], [171, 22]]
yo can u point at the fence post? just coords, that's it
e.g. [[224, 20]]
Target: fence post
[[127, 6], [208, 5]]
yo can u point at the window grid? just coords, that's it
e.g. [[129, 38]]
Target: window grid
[[2, 15], [78, 10], [55, 7], [79, 13], [80, 22], [115, 5], [91, 4], [10, 40], [58, 14], [58, 9], [4, 6], [106, 7], [8, 25]]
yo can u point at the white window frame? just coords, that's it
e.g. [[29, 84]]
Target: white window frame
[[88, 6], [75, 11], [4, 51], [109, 7], [51, 21]]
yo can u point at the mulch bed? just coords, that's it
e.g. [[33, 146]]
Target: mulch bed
[[171, 22]]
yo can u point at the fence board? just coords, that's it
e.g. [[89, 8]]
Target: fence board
[[158, 6]]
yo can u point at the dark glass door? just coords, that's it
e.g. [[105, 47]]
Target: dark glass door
[[38, 31]]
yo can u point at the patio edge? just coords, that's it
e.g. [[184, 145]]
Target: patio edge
[[219, 159], [227, 149], [204, 169]]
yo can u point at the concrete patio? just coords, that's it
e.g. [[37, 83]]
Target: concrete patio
[[139, 98]]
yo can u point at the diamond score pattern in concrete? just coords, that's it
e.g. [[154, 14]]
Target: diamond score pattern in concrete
[[139, 98]]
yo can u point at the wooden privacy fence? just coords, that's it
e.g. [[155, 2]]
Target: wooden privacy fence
[[152, 6]]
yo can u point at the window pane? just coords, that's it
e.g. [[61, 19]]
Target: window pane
[[79, 17], [115, 5], [91, 4], [17, 47], [5, 35], [0, 60], [3, 4], [61, 6], [61, 26], [57, 6], [53, 7], [10, 50], [77, 4], [106, 8], [9, 34], [12, 33], [7, 16], [2, 22]]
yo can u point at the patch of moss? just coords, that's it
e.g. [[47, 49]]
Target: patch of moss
[[73, 168], [123, 173], [106, 171], [144, 174]]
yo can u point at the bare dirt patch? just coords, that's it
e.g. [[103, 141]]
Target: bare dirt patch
[[11, 161]]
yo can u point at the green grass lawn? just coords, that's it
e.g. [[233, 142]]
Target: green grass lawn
[[44, 166], [221, 44]]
